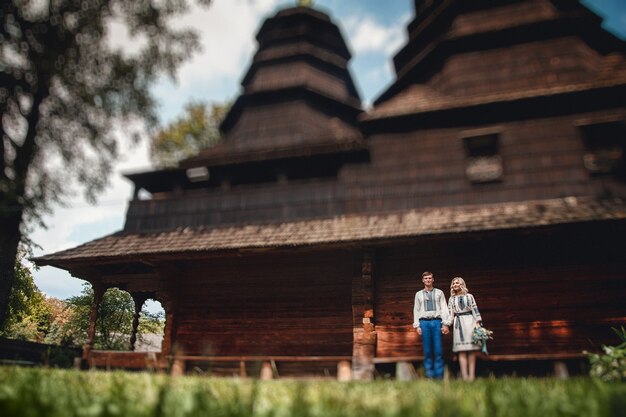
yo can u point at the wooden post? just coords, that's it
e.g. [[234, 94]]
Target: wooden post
[[344, 371], [560, 370], [266, 371], [139, 299], [168, 331], [98, 293], [405, 371], [167, 294], [178, 367], [364, 343]]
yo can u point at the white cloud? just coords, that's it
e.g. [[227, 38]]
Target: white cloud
[[80, 221], [365, 35], [64, 221], [227, 31], [119, 38]]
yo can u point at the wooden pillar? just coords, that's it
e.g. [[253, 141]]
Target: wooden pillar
[[167, 294], [98, 293], [405, 371], [168, 345], [266, 371], [139, 299], [364, 343], [560, 370], [178, 367], [344, 371]]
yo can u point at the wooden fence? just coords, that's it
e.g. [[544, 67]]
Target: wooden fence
[[20, 352]]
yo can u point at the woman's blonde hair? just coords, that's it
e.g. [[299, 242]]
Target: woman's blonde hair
[[464, 289]]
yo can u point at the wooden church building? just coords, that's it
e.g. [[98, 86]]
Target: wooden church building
[[497, 154]]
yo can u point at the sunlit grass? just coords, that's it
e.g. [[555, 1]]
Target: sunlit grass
[[48, 392]]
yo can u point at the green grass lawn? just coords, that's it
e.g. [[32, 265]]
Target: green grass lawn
[[49, 392]]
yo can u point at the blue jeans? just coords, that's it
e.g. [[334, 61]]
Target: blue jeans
[[431, 342]]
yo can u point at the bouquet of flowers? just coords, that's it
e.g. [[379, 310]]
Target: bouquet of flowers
[[480, 335]]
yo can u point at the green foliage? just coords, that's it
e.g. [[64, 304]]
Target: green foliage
[[72, 393], [61, 314], [64, 86], [151, 323], [29, 315], [610, 366], [113, 324], [197, 129]]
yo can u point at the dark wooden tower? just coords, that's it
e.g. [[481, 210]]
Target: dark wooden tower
[[497, 155]]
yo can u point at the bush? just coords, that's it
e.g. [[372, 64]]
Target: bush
[[610, 366], [62, 393]]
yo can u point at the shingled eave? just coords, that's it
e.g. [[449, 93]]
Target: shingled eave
[[402, 107], [350, 107], [222, 154], [303, 54], [158, 180], [359, 229]]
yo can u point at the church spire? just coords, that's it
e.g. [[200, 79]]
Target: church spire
[[305, 3]]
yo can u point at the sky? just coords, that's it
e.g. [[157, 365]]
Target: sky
[[374, 31]]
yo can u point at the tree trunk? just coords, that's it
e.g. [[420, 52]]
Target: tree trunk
[[11, 206], [9, 240], [98, 293]]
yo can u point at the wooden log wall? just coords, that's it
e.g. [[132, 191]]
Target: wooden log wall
[[545, 294], [267, 304], [541, 159]]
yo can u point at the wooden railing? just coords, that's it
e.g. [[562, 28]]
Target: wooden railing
[[177, 364], [495, 357], [269, 369], [19, 352]]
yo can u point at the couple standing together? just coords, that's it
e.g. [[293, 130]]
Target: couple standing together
[[433, 317]]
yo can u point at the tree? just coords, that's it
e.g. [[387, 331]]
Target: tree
[[62, 87], [113, 324], [29, 315], [197, 129], [59, 323]]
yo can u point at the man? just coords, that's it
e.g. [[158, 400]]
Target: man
[[431, 318]]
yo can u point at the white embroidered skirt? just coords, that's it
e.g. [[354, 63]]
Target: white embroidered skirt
[[462, 329]]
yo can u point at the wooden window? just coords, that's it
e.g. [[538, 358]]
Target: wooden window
[[604, 147], [484, 163]]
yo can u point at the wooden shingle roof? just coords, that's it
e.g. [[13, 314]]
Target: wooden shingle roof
[[298, 95], [420, 98], [342, 229], [435, 71]]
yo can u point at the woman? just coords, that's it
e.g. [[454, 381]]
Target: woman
[[466, 317]]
